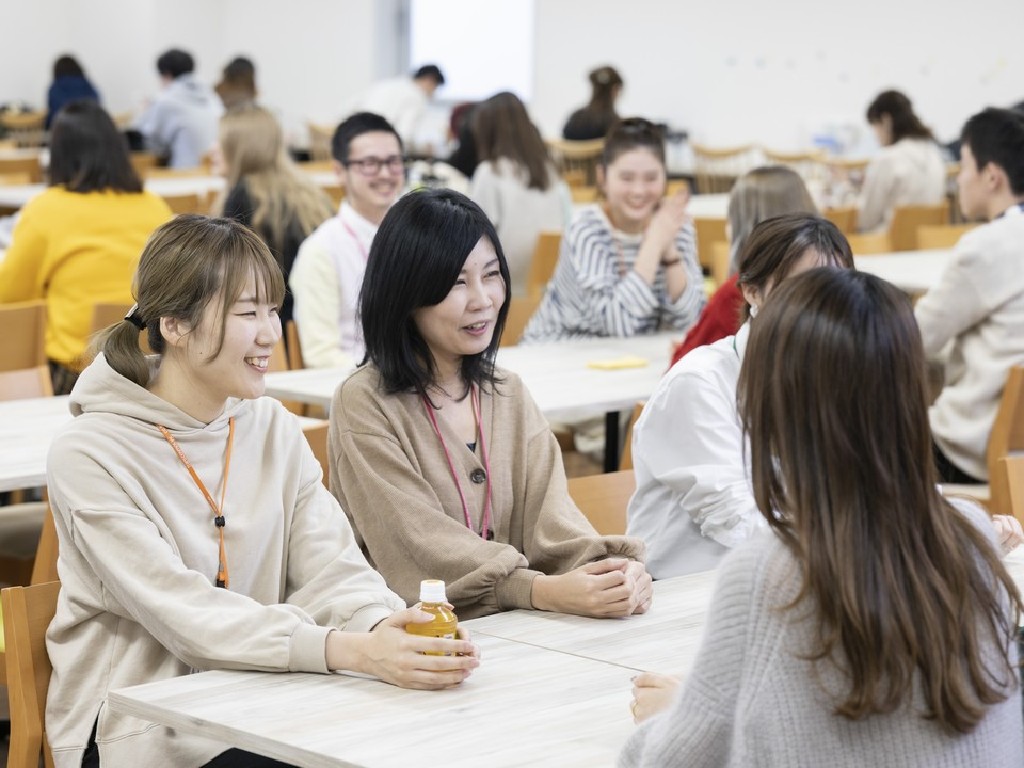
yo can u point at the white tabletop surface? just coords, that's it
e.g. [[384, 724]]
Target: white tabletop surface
[[911, 271], [556, 374], [17, 196], [524, 706], [708, 206], [27, 428]]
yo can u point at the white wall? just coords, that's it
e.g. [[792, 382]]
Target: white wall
[[788, 69]]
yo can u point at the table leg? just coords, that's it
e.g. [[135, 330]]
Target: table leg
[[611, 441]]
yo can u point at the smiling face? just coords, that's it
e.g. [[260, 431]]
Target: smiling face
[[203, 378], [463, 323], [633, 184], [372, 194]]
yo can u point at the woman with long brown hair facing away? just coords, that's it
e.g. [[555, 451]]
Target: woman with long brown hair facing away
[[873, 624]]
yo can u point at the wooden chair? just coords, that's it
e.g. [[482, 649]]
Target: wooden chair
[[520, 310], [577, 161], [543, 263], [709, 232], [105, 314], [583, 195], [28, 612], [203, 169], [294, 345], [316, 166], [15, 179], [868, 244], [27, 347], [935, 236], [675, 186], [907, 218], [626, 459], [1012, 471], [143, 163], [717, 168], [844, 217], [29, 165], [721, 255], [809, 163], [26, 383], [316, 435], [26, 128], [603, 499], [336, 192], [1006, 439], [188, 203], [320, 140]]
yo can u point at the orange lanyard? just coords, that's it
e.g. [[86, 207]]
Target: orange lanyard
[[218, 511]]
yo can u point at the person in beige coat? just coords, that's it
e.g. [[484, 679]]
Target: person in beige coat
[[195, 532], [444, 463]]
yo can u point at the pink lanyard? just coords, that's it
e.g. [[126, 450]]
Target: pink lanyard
[[359, 244], [485, 532]]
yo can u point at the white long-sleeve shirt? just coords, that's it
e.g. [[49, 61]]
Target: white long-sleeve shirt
[[693, 499], [325, 282], [596, 291], [909, 172], [978, 304]]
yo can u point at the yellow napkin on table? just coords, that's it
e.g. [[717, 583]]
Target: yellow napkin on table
[[616, 363]]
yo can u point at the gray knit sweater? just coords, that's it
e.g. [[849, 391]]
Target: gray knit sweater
[[752, 701]]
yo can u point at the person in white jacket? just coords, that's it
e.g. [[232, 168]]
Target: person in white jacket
[[194, 527], [693, 500], [908, 170]]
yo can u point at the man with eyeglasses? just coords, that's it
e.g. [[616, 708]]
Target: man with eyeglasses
[[328, 271]]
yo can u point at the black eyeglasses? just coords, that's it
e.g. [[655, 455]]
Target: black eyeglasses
[[370, 166]]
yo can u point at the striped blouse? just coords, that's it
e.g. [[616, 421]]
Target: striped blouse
[[596, 292]]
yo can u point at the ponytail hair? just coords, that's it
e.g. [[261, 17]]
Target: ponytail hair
[[186, 264]]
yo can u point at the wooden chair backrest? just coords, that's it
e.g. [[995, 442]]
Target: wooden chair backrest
[[582, 195], [336, 192], [178, 173], [603, 499], [316, 436], [27, 347], [320, 140], [709, 232], [143, 162], [543, 263], [14, 179], [26, 383], [717, 168], [27, 613], [1011, 474], [291, 335], [1006, 438], [844, 217], [25, 128], [44, 567], [869, 243], [907, 218], [626, 459], [315, 166], [520, 310], [809, 163], [106, 314], [576, 161], [187, 203], [934, 236], [721, 255]]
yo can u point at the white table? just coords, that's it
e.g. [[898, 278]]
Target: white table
[[556, 374], [913, 272], [27, 428], [708, 206], [524, 706]]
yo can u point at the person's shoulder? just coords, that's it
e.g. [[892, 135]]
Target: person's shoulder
[[359, 388]]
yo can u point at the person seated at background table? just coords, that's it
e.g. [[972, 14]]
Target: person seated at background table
[[77, 244], [908, 170], [593, 121], [978, 303], [758, 195], [237, 86], [874, 624], [403, 101], [180, 124], [693, 501], [328, 270], [627, 266], [464, 158], [166, 566], [266, 192], [516, 184], [443, 462], [69, 84]]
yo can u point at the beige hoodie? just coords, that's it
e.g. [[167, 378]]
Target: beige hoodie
[[138, 559]]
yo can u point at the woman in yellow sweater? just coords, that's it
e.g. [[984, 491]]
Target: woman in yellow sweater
[[78, 243]]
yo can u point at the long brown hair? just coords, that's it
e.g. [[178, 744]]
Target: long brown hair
[[253, 147], [187, 263], [502, 128], [760, 194], [833, 394]]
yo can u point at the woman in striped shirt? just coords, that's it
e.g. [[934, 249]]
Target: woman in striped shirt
[[628, 266]]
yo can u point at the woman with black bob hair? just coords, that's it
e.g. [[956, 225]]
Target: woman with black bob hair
[[443, 462], [78, 243]]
